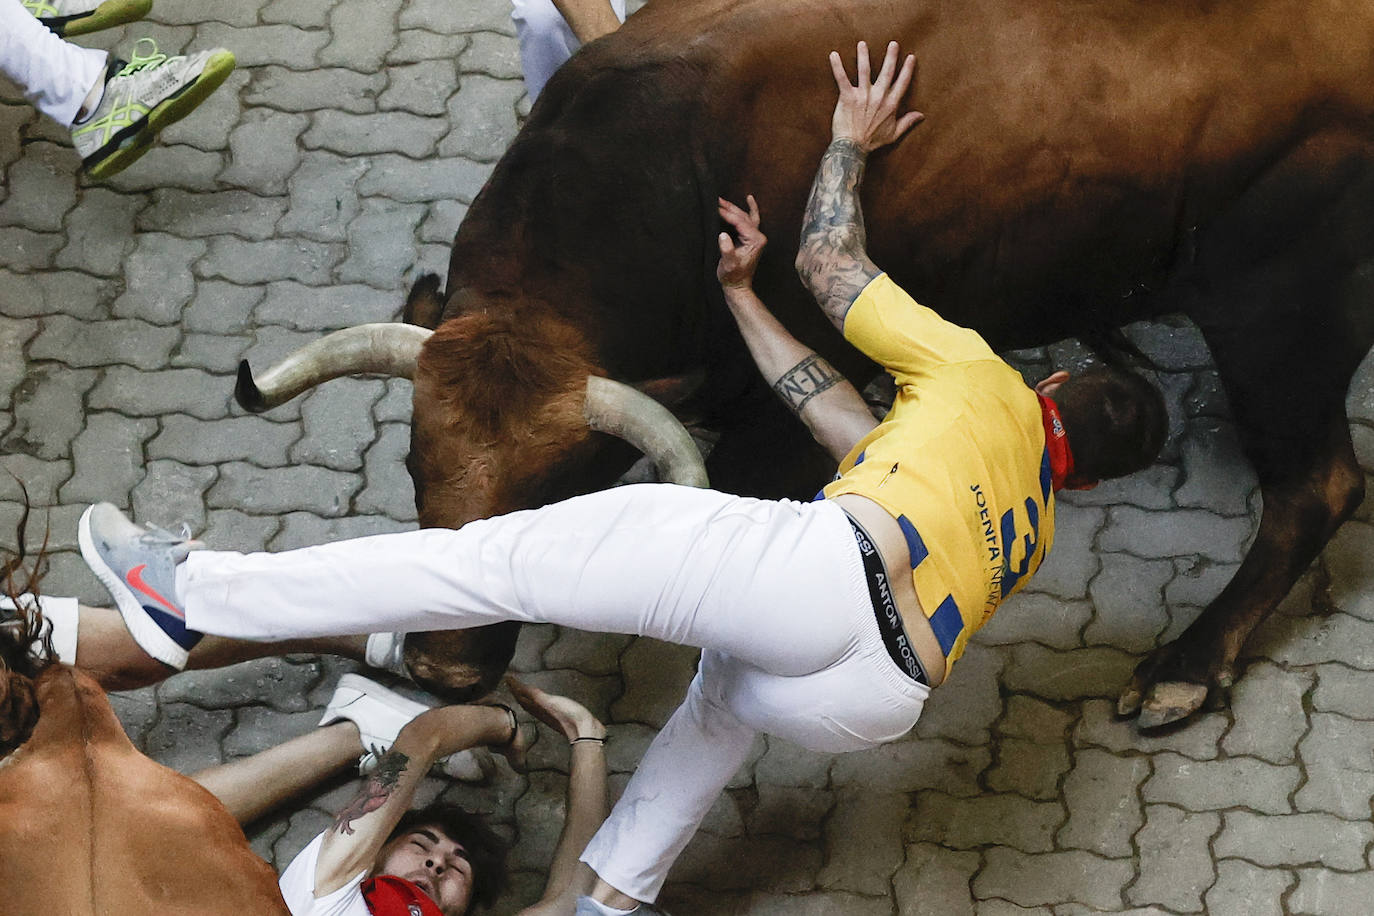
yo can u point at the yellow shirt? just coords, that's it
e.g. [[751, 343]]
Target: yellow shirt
[[959, 461]]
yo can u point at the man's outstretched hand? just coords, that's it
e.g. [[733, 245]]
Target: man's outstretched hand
[[867, 113], [737, 262]]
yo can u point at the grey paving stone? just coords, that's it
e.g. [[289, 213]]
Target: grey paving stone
[[441, 224], [98, 232], [382, 238], [1243, 888], [1174, 348], [786, 765], [42, 188], [172, 493], [264, 150], [324, 196], [157, 278], [935, 880], [1100, 727], [418, 44], [1269, 718], [1151, 488], [14, 334], [211, 352], [490, 54], [1073, 675], [793, 811], [431, 259], [103, 343], [1338, 758], [214, 118], [478, 16], [231, 529], [338, 424], [187, 738], [964, 707], [277, 490], [303, 13], [422, 88], [27, 250], [13, 121], [1128, 595], [540, 811], [370, 134], [908, 766], [1072, 561], [1197, 581], [196, 12], [1175, 387], [744, 863], [1207, 398], [482, 115], [1034, 617], [388, 490], [1316, 639], [421, 182], [256, 46], [1035, 721], [333, 88], [47, 411], [250, 216], [220, 308], [243, 262], [363, 32], [1327, 893], [272, 682], [812, 904], [1216, 474], [301, 529], [1346, 559], [327, 308], [1029, 768], [1055, 877], [1295, 839], [1178, 533], [1175, 862], [594, 653], [1002, 820], [1101, 793], [863, 843], [178, 166], [184, 438], [656, 678], [63, 292], [39, 476], [394, 407], [55, 525], [530, 646], [1210, 785], [1343, 690], [137, 711], [108, 457]]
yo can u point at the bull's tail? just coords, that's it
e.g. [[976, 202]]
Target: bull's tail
[[425, 304]]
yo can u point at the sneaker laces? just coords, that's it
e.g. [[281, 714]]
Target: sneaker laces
[[143, 61]]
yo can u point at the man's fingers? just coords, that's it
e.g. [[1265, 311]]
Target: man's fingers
[[726, 246], [888, 70], [753, 209], [903, 82], [841, 75], [908, 121], [864, 81]]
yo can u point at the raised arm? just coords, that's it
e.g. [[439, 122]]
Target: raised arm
[[831, 408], [587, 806], [362, 827], [832, 259], [589, 19]]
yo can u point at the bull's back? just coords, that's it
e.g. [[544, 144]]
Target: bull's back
[[90, 826]]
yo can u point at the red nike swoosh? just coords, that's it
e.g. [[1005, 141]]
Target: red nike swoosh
[[135, 580]]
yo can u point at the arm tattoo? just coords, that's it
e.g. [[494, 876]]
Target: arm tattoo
[[831, 260], [804, 381], [375, 792]]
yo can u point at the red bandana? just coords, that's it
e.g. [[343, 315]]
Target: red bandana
[[388, 895], [1057, 442]]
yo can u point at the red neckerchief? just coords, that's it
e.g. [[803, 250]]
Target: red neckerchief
[[388, 895], [1057, 442]]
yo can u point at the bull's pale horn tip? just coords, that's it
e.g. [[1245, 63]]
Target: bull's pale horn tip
[[246, 390]]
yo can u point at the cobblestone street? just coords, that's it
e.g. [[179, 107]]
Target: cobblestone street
[[335, 165]]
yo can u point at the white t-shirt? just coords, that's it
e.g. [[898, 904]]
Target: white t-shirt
[[298, 888]]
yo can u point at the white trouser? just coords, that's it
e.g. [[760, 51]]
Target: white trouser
[[546, 40], [55, 75], [772, 591]]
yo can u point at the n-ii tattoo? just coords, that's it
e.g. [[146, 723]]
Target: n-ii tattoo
[[804, 381], [375, 792], [832, 259]]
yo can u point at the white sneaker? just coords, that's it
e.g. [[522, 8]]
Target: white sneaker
[[77, 17], [386, 651], [142, 97], [380, 714]]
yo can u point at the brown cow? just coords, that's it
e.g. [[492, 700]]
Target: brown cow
[[91, 827], [1083, 165]]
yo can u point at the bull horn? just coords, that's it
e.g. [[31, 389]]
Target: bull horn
[[620, 410], [386, 348]]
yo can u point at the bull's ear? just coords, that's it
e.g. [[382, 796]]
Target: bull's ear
[[672, 390]]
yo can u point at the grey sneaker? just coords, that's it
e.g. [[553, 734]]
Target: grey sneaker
[[77, 17], [142, 97], [137, 565], [586, 906], [380, 714]]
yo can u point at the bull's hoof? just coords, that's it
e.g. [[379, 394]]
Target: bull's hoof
[[1168, 702]]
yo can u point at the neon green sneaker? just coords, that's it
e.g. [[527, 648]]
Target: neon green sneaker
[[77, 17], [142, 97]]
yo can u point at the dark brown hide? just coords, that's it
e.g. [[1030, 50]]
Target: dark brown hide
[[1083, 164], [91, 827]]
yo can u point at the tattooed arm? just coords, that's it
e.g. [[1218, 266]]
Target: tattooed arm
[[831, 408], [832, 259], [360, 830]]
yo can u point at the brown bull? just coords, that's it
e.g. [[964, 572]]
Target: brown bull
[[1083, 165], [91, 827]]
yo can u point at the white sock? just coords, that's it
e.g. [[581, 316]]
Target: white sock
[[586, 906], [61, 616]]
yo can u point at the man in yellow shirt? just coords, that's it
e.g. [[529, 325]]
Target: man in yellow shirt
[[804, 634]]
